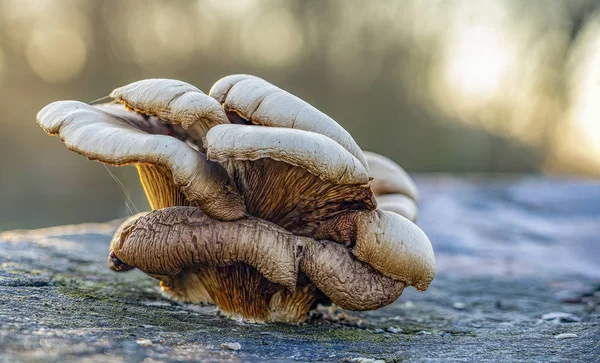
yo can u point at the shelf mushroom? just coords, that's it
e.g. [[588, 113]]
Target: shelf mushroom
[[262, 204]]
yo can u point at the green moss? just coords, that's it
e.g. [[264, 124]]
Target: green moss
[[353, 334], [115, 300]]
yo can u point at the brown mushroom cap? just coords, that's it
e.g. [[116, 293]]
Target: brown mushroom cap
[[182, 243], [169, 240], [349, 283], [111, 139], [248, 267], [293, 178], [396, 247], [184, 287], [114, 263], [262, 103]]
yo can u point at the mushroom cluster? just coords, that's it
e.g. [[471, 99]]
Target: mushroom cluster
[[262, 204]]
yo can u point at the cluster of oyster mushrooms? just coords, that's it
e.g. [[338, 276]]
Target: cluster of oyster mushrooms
[[262, 204]]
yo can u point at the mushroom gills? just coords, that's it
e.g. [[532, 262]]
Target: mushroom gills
[[241, 293], [293, 198], [160, 189], [185, 287], [291, 177]]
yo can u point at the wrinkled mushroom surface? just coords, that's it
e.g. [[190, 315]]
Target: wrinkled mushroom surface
[[262, 204]]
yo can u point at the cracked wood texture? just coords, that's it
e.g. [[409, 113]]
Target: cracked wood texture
[[508, 251]]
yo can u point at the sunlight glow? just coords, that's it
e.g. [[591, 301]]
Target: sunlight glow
[[55, 54], [585, 112], [1, 62], [272, 39], [478, 61]]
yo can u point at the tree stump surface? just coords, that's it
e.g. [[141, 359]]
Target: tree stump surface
[[510, 252]]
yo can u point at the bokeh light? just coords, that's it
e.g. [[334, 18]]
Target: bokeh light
[[439, 86], [271, 39], [1, 62], [56, 55], [585, 87], [478, 62]]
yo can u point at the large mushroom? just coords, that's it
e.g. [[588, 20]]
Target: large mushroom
[[261, 203]]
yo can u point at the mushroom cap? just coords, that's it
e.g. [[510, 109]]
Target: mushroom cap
[[153, 125], [111, 139], [177, 243], [349, 283], [318, 154], [169, 240], [114, 263], [262, 103], [396, 247], [399, 203], [172, 101], [389, 177], [387, 241], [293, 178]]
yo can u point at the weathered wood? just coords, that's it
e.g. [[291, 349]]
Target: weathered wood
[[508, 252]]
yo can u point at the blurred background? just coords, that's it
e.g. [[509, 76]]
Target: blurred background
[[438, 86]]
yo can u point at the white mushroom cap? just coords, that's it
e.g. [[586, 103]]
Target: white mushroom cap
[[389, 177], [396, 247], [399, 203], [318, 154], [102, 136], [153, 125], [262, 103], [393, 187], [172, 101]]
